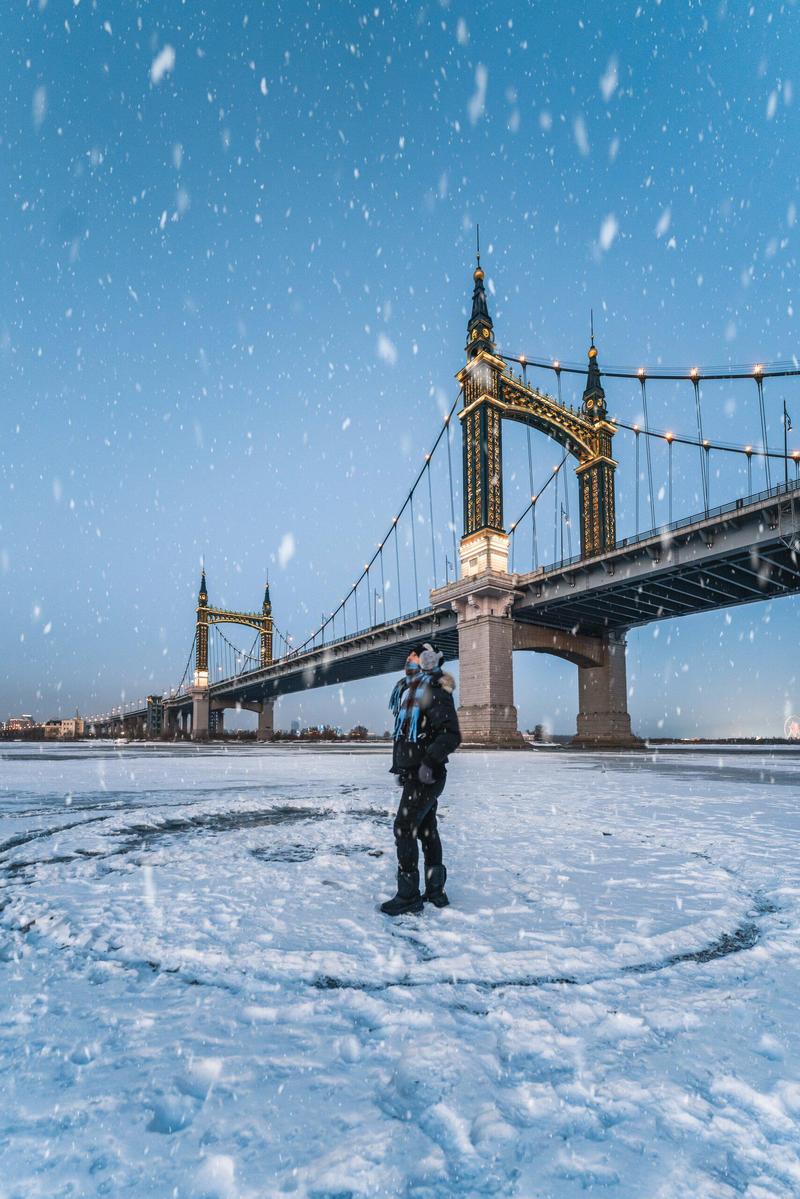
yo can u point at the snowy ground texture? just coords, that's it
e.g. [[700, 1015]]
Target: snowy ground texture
[[200, 998]]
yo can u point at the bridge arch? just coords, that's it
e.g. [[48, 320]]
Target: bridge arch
[[492, 394]]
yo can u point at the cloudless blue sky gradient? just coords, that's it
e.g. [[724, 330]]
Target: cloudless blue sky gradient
[[238, 241]]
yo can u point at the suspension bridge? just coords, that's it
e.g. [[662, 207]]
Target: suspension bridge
[[485, 591]]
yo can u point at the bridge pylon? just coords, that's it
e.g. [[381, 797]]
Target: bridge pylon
[[484, 597], [202, 706]]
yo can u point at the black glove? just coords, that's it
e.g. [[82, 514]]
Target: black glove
[[425, 774]]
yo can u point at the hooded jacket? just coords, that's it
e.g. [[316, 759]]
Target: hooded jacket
[[438, 733]]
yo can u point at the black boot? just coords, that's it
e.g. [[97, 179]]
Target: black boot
[[408, 898], [434, 891]]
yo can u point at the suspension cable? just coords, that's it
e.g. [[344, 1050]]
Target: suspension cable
[[774, 369], [535, 499], [648, 455], [723, 447], [407, 501], [703, 457], [397, 561], [430, 513], [414, 551], [763, 414], [188, 663], [637, 482], [452, 500]]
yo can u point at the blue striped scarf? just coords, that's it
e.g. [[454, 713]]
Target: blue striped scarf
[[405, 703]]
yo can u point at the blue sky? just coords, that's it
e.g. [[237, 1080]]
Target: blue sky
[[238, 244]]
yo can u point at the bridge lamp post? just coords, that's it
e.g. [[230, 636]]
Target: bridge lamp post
[[557, 369], [748, 449], [670, 437]]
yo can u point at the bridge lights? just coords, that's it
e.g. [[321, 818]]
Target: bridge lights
[[641, 372], [748, 449], [758, 370], [694, 372]]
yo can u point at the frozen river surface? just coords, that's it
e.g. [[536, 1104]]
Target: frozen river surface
[[200, 998]]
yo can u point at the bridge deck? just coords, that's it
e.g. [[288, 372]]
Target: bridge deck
[[741, 553]]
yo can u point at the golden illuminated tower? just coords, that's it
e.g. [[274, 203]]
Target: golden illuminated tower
[[484, 545], [266, 628], [596, 476], [201, 649]]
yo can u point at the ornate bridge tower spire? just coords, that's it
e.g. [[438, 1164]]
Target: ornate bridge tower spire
[[484, 545], [596, 476], [201, 648], [480, 333]]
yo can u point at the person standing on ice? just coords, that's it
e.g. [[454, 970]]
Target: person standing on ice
[[425, 733]]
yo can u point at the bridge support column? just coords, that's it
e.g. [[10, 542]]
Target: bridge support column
[[200, 707], [266, 721], [486, 712], [603, 719]]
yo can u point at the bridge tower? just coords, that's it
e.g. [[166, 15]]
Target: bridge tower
[[266, 629], [596, 474], [201, 639], [485, 595], [207, 712]]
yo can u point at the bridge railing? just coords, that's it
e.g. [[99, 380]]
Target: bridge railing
[[736, 505]]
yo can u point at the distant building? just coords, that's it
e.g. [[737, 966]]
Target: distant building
[[296, 726], [73, 727], [17, 723], [52, 729]]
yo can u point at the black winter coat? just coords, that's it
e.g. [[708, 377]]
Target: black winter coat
[[438, 733]]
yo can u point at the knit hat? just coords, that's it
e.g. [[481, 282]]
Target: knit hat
[[430, 658]]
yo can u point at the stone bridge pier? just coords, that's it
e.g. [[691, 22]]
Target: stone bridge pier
[[603, 718], [488, 635], [203, 705]]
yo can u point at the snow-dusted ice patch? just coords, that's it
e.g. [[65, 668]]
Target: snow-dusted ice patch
[[201, 998]]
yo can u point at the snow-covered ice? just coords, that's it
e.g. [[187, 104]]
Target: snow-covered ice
[[200, 998]]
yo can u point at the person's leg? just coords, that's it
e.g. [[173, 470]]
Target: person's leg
[[435, 872], [406, 828], [428, 833]]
